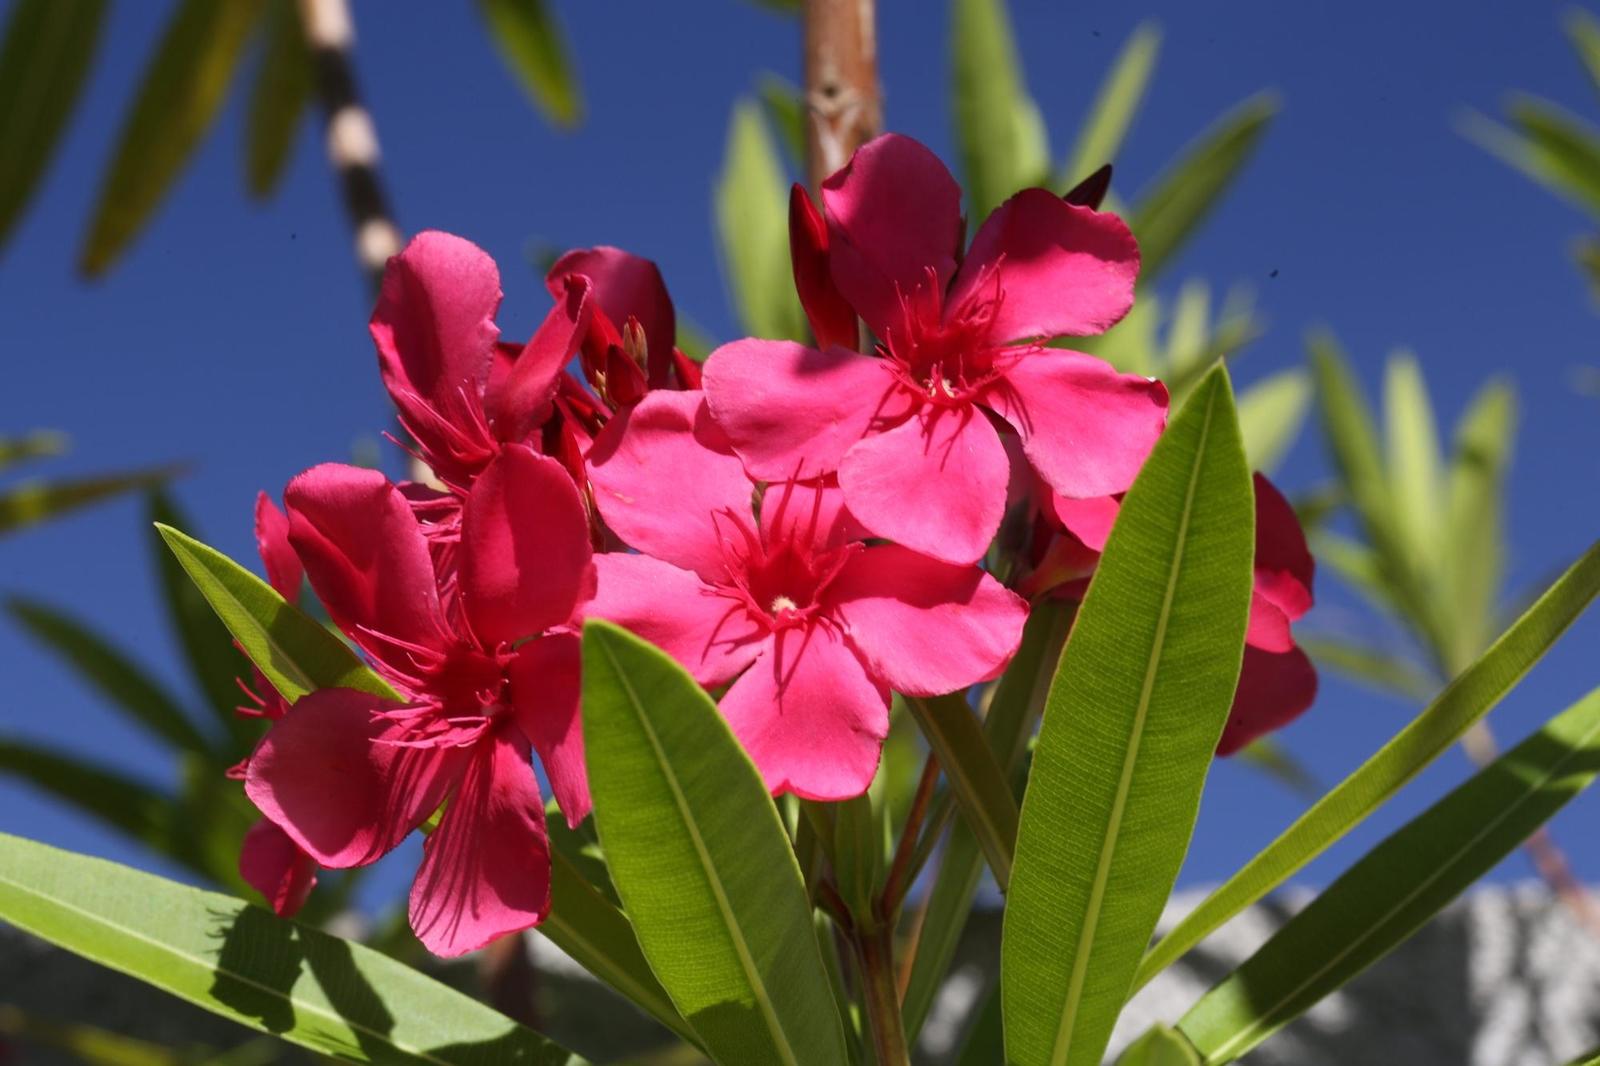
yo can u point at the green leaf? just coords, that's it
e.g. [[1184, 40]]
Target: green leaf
[[701, 860], [785, 108], [294, 651], [181, 94], [33, 502], [984, 1043], [1271, 413], [1464, 701], [1394, 889], [118, 678], [36, 445], [1188, 189], [311, 989], [1160, 1046], [1115, 105], [979, 785], [44, 63], [1379, 668], [1550, 145], [1131, 725], [532, 45], [752, 212], [1000, 135], [1414, 463], [278, 99], [88, 1044], [1584, 33], [1474, 541], [1272, 759]]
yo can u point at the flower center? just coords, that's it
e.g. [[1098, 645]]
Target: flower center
[[947, 358], [779, 577]]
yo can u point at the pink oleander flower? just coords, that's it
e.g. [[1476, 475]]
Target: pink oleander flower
[[487, 659], [911, 430], [773, 589], [1277, 682]]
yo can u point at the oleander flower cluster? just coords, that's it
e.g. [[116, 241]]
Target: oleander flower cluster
[[807, 529]]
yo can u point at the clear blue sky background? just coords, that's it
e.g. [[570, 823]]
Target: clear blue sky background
[[234, 335]]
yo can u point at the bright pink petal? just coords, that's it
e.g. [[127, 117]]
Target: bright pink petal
[[525, 550], [833, 320], [925, 627], [1062, 270], [809, 717], [1274, 690], [809, 512], [284, 572], [486, 869], [936, 483], [1089, 520], [1085, 427], [894, 215], [791, 411], [546, 689], [273, 864], [367, 558], [626, 286], [519, 400], [1284, 566], [331, 775], [1269, 626], [666, 482], [434, 323], [713, 636]]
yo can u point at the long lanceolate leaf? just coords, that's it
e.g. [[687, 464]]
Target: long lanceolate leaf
[[999, 131], [702, 861], [1467, 699], [753, 228], [1130, 728], [44, 61], [1399, 885], [236, 960], [33, 502], [976, 779], [278, 99], [1114, 107], [295, 652], [532, 44]]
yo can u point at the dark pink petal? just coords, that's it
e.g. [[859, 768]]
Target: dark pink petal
[[1284, 566], [1090, 520], [925, 627], [331, 775], [712, 635], [367, 559], [1063, 270], [1274, 690], [519, 400], [792, 411], [936, 483], [284, 572], [434, 323], [546, 688], [666, 482], [1085, 427], [894, 217], [1269, 626], [626, 286], [273, 864], [809, 512], [809, 717], [486, 869], [525, 550], [833, 320]]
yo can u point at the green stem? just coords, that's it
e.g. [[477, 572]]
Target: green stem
[[875, 947]]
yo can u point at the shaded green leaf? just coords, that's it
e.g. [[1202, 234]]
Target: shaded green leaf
[[1397, 886], [32, 502], [1180, 198], [981, 788], [1000, 135], [785, 109], [327, 994], [1379, 668], [1130, 727], [179, 97], [1115, 105], [1160, 1046], [531, 42], [294, 651], [135, 809], [1584, 33], [701, 860], [88, 1044], [278, 99], [752, 217], [1271, 414], [44, 63], [1464, 701]]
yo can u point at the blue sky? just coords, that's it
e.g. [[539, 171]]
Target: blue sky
[[233, 336]]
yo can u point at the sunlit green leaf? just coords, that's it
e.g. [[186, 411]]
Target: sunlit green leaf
[[981, 788], [1000, 135], [1271, 414], [278, 99], [1474, 542], [1549, 144], [1160, 1046], [752, 214], [1115, 105], [1414, 467], [531, 42], [31, 502]]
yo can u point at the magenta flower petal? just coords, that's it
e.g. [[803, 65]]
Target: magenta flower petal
[[809, 717], [1065, 270], [518, 397], [626, 286], [273, 864], [1274, 690], [711, 635], [810, 512], [486, 869], [525, 552], [923, 626], [660, 471], [330, 775], [1085, 427], [894, 215], [367, 559], [936, 483], [1269, 626], [1284, 566], [1090, 520], [832, 319], [284, 572], [545, 694], [792, 412]]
